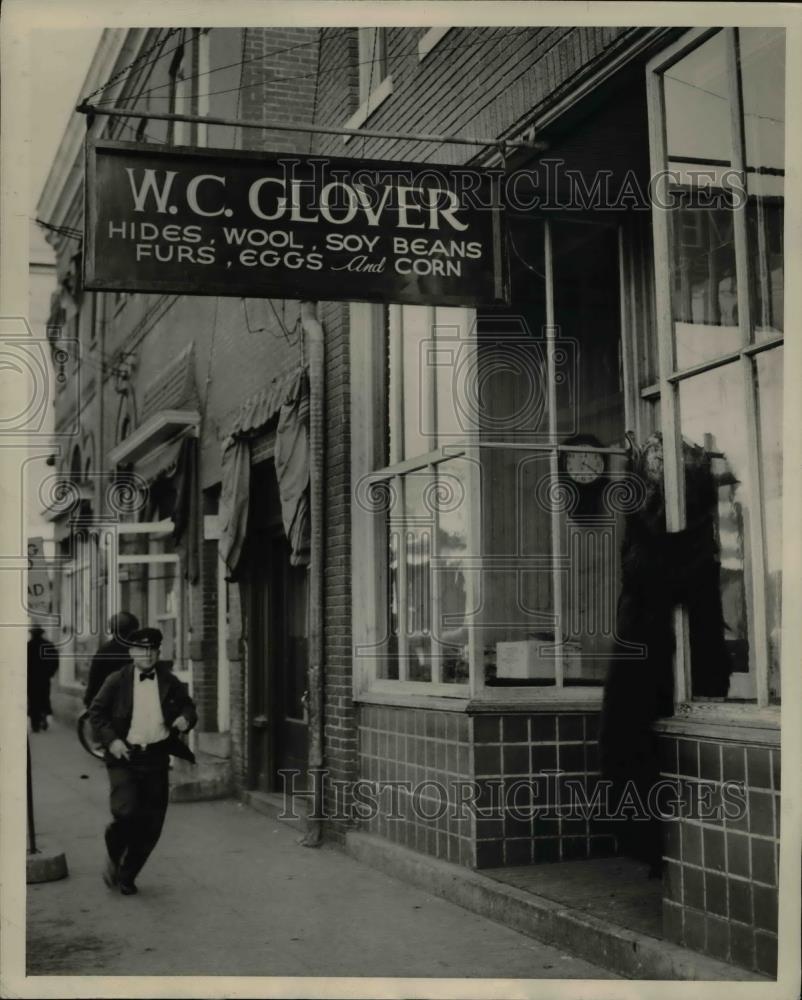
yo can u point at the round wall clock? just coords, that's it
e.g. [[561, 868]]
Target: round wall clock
[[585, 467]]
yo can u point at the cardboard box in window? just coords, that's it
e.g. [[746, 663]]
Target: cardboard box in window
[[535, 659]]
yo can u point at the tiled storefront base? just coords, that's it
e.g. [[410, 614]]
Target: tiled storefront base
[[720, 888], [513, 753], [503, 764], [431, 750], [720, 881]]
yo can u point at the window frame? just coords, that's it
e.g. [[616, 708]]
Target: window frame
[[156, 533], [670, 377], [369, 560], [373, 95]]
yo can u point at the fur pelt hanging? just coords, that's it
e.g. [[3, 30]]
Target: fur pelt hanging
[[659, 571]]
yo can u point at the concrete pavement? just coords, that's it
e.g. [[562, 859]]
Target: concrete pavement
[[231, 892]]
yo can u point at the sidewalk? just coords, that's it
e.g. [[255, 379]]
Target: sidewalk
[[231, 892]]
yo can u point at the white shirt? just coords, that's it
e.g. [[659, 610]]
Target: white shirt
[[147, 721]]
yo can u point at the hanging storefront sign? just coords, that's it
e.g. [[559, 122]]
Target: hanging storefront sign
[[216, 222]]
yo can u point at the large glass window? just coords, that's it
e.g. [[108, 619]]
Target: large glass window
[[501, 458], [718, 226], [552, 425], [425, 487]]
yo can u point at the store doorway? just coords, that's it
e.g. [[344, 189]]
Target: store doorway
[[277, 643]]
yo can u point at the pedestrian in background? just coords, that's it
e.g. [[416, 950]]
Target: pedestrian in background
[[112, 654], [42, 667], [137, 716]]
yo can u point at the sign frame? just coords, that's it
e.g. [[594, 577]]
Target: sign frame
[[263, 287]]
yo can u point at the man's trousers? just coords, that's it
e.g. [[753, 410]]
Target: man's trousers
[[139, 793]]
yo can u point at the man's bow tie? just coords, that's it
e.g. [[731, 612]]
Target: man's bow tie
[[147, 675]]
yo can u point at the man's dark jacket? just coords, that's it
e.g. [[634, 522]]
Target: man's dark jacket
[[111, 711]]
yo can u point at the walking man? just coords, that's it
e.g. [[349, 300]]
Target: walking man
[[42, 667], [137, 716]]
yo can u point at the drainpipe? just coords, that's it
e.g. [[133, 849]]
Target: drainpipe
[[315, 349]]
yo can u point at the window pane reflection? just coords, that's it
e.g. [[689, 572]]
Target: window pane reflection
[[515, 585], [715, 443], [698, 137], [451, 633], [586, 305], [697, 106], [416, 549], [388, 668], [703, 285], [762, 64], [770, 403]]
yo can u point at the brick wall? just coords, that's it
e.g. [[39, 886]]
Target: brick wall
[[476, 81], [278, 80], [340, 727]]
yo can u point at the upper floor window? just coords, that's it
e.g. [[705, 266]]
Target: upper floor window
[[375, 82], [179, 93], [372, 60]]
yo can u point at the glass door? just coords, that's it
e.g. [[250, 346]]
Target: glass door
[[145, 579]]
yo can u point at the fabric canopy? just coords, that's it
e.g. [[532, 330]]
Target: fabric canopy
[[186, 516], [292, 470], [289, 398], [234, 501]]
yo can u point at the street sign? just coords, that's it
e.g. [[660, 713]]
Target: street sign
[[221, 222], [38, 579]]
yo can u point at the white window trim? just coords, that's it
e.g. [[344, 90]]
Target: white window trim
[[377, 97], [431, 39], [669, 378]]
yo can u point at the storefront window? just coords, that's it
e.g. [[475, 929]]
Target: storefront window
[[425, 497], [723, 104], [770, 412], [496, 556], [588, 315], [762, 63], [712, 419], [698, 146]]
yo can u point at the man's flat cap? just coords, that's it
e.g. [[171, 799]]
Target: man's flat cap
[[150, 638]]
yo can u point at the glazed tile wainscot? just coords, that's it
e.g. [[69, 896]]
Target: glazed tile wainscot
[[721, 873], [493, 754]]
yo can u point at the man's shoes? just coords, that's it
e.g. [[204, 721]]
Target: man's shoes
[[128, 889], [111, 874]]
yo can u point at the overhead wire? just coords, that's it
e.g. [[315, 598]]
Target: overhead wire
[[127, 69], [241, 62], [336, 68]]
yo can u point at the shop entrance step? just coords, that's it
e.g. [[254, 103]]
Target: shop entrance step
[[617, 890], [588, 927]]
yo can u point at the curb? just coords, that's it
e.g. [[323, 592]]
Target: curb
[[618, 949]]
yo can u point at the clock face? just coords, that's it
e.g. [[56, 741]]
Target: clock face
[[584, 467]]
